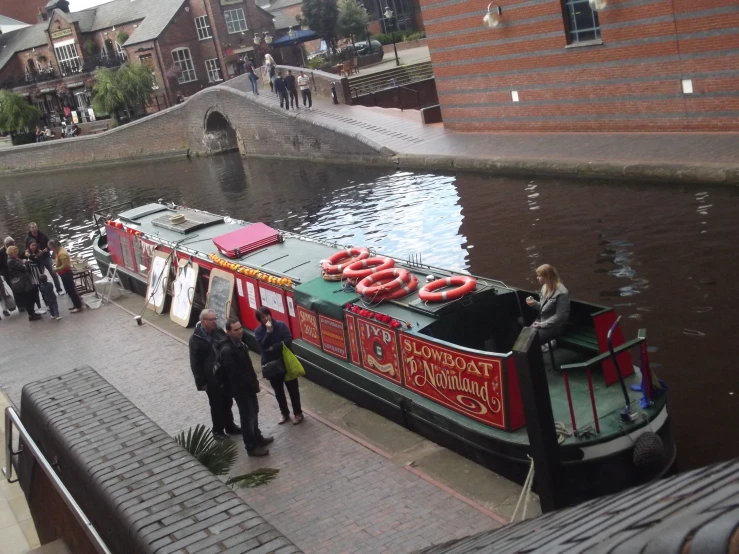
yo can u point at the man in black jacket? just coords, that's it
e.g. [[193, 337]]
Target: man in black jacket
[[244, 385], [43, 245], [281, 90], [203, 357], [292, 90]]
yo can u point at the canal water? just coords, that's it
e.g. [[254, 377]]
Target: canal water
[[664, 256]]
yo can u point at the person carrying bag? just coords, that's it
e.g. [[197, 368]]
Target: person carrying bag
[[274, 340]]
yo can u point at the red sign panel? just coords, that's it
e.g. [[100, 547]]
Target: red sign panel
[[332, 336], [468, 384], [309, 326], [351, 328], [379, 347]]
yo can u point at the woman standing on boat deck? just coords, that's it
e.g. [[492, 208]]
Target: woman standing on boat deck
[[553, 306], [271, 336]]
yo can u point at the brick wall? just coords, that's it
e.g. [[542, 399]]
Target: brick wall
[[629, 82], [261, 129], [22, 10]]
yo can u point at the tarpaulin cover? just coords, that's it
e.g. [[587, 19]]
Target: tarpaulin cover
[[324, 297]]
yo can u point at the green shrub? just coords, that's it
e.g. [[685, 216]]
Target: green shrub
[[382, 38], [316, 63], [418, 35]]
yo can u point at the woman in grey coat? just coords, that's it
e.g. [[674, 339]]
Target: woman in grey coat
[[553, 306]]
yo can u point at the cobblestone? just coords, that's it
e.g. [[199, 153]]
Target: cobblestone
[[332, 494]]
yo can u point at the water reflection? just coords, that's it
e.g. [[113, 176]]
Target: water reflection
[[647, 250]]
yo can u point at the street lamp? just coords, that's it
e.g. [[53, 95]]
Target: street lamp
[[597, 5], [266, 37], [492, 18], [292, 33], [388, 13]]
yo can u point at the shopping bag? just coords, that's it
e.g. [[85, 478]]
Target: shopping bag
[[293, 366], [9, 300]]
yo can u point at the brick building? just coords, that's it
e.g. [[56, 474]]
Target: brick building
[[188, 44], [22, 10], [558, 65]]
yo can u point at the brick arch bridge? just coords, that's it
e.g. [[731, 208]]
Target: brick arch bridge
[[216, 119], [222, 118]]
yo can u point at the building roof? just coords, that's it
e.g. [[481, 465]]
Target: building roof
[[154, 15], [283, 18], [10, 21]]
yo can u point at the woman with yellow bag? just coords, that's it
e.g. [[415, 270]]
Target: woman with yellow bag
[[279, 365]]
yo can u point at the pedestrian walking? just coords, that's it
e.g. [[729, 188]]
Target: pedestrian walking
[[63, 268], [43, 243], [243, 383], [49, 296], [292, 89], [271, 66], [5, 296], [20, 282], [272, 336], [179, 99], [253, 77], [281, 88], [35, 269], [305, 92], [203, 357]]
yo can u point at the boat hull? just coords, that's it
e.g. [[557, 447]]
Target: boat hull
[[589, 469]]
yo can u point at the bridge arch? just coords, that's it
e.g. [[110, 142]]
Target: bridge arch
[[218, 133]]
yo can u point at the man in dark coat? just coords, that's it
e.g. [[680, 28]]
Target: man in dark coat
[[203, 355], [292, 89], [244, 385], [281, 90], [45, 259]]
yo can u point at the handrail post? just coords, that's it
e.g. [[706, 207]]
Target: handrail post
[[592, 400], [626, 411], [569, 401]]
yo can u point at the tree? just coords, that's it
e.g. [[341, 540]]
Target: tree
[[16, 114], [130, 85], [352, 19], [321, 16]]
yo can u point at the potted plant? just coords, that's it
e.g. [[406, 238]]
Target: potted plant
[[121, 37], [41, 58]]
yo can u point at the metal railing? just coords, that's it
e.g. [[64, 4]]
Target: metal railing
[[28, 446], [87, 64], [391, 78], [587, 365]]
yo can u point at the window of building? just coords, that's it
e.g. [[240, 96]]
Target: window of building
[[214, 70], [183, 60], [235, 20], [68, 58], [203, 26], [582, 21]]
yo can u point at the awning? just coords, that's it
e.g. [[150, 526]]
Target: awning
[[300, 37]]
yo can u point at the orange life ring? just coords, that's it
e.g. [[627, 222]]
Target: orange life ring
[[400, 293], [463, 284], [383, 282], [337, 262], [364, 268]]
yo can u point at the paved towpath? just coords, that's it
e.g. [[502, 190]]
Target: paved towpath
[[709, 154], [333, 494]]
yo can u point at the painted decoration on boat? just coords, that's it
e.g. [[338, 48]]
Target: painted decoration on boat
[[183, 292], [379, 348], [332, 336], [468, 384], [156, 291], [351, 329], [309, 326]]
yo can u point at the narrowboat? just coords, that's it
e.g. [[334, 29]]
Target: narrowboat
[[428, 348]]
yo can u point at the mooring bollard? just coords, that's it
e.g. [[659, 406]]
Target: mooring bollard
[[537, 406]]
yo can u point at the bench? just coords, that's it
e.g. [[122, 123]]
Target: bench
[[580, 337]]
